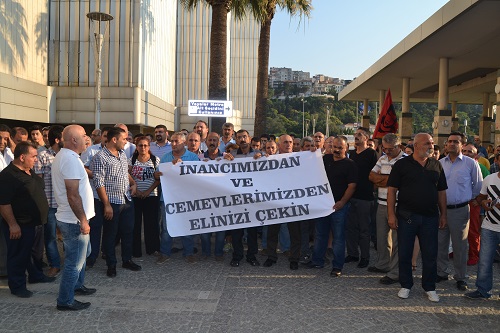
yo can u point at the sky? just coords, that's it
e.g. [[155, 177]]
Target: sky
[[343, 38]]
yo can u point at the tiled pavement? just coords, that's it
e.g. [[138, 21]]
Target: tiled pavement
[[210, 296]]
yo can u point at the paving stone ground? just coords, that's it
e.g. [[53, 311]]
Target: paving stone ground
[[210, 296]]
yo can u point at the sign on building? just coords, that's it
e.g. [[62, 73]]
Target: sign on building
[[207, 108]]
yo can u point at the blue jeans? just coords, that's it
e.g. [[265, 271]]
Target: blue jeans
[[206, 243], [489, 242], [76, 250], [96, 230], [121, 224], [51, 239], [166, 240], [284, 237], [426, 228], [335, 222]]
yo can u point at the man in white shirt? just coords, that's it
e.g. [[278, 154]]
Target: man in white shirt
[[75, 208]]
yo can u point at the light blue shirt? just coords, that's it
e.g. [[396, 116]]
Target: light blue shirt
[[463, 177], [158, 150], [169, 157]]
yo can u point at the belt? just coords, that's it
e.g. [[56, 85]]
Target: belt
[[460, 205]]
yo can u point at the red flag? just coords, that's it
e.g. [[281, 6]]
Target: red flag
[[387, 120]]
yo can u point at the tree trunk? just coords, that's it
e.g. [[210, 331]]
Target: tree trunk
[[262, 78]]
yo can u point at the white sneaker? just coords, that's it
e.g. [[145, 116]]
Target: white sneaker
[[432, 296], [404, 293]]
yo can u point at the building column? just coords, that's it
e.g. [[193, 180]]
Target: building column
[[497, 104], [406, 122], [442, 116], [485, 122], [381, 99], [454, 119], [366, 118]]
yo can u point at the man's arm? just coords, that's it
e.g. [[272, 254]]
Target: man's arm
[[75, 202], [378, 179], [442, 209], [392, 219], [8, 216], [351, 188]]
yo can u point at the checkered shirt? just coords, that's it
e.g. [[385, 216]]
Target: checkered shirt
[[43, 167]]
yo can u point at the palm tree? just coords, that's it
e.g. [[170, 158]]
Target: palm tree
[[263, 11]]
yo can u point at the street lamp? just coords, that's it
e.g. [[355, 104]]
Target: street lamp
[[98, 20], [465, 126], [303, 123], [307, 125], [327, 132]]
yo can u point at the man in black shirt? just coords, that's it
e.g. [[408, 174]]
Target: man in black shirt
[[422, 197], [358, 223], [23, 207], [342, 175]]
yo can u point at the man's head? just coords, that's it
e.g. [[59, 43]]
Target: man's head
[[271, 148], [25, 155], [340, 147], [96, 136], [319, 140], [391, 145], [285, 144], [122, 126], [178, 139], [73, 136], [329, 145], [243, 139], [423, 146], [263, 140], [437, 152], [255, 143], [117, 138], [161, 134], [213, 141], [306, 143], [45, 135], [497, 150], [20, 134], [55, 137], [455, 142], [227, 130], [477, 140], [361, 137], [470, 150], [193, 142], [201, 128], [296, 144], [4, 137], [104, 135], [130, 137], [370, 143], [36, 135]]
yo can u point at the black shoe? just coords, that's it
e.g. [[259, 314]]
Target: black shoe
[[269, 262], [462, 285], [335, 272], [90, 263], [351, 259], [294, 265], [111, 272], [24, 293], [374, 269], [363, 263], [310, 264], [234, 263], [440, 278], [387, 280], [131, 265], [73, 307], [84, 291], [45, 279], [253, 262]]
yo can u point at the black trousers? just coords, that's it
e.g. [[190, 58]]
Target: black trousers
[[251, 243], [272, 241], [146, 210]]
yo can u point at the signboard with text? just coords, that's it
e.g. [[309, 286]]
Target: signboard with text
[[208, 108]]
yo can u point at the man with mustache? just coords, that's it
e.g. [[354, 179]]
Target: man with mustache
[[227, 136], [319, 141], [193, 144], [201, 128], [161, 146], [342, 174]]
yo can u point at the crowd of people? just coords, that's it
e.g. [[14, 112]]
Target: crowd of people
[[102, 190]]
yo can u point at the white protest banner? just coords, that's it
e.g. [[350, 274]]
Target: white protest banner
[[221, 195]]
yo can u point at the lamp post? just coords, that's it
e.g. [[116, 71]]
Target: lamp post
[[303, 123], [327, 132], [96, 19], [465, 126], [307, 125]]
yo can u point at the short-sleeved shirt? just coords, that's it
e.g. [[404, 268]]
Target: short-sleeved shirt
[[491, 188], [418, 185], [111, 172], [222, 144], [365, 162], [6, 158], [25, 194], [143, 174], [187, 156], [67, 165], [340, 174], [384, 167], [43, 167], [158, 150]]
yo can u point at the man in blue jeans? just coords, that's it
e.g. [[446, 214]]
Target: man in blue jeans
[[73, 195], [490, 234], [342, 175], [421, 210]]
